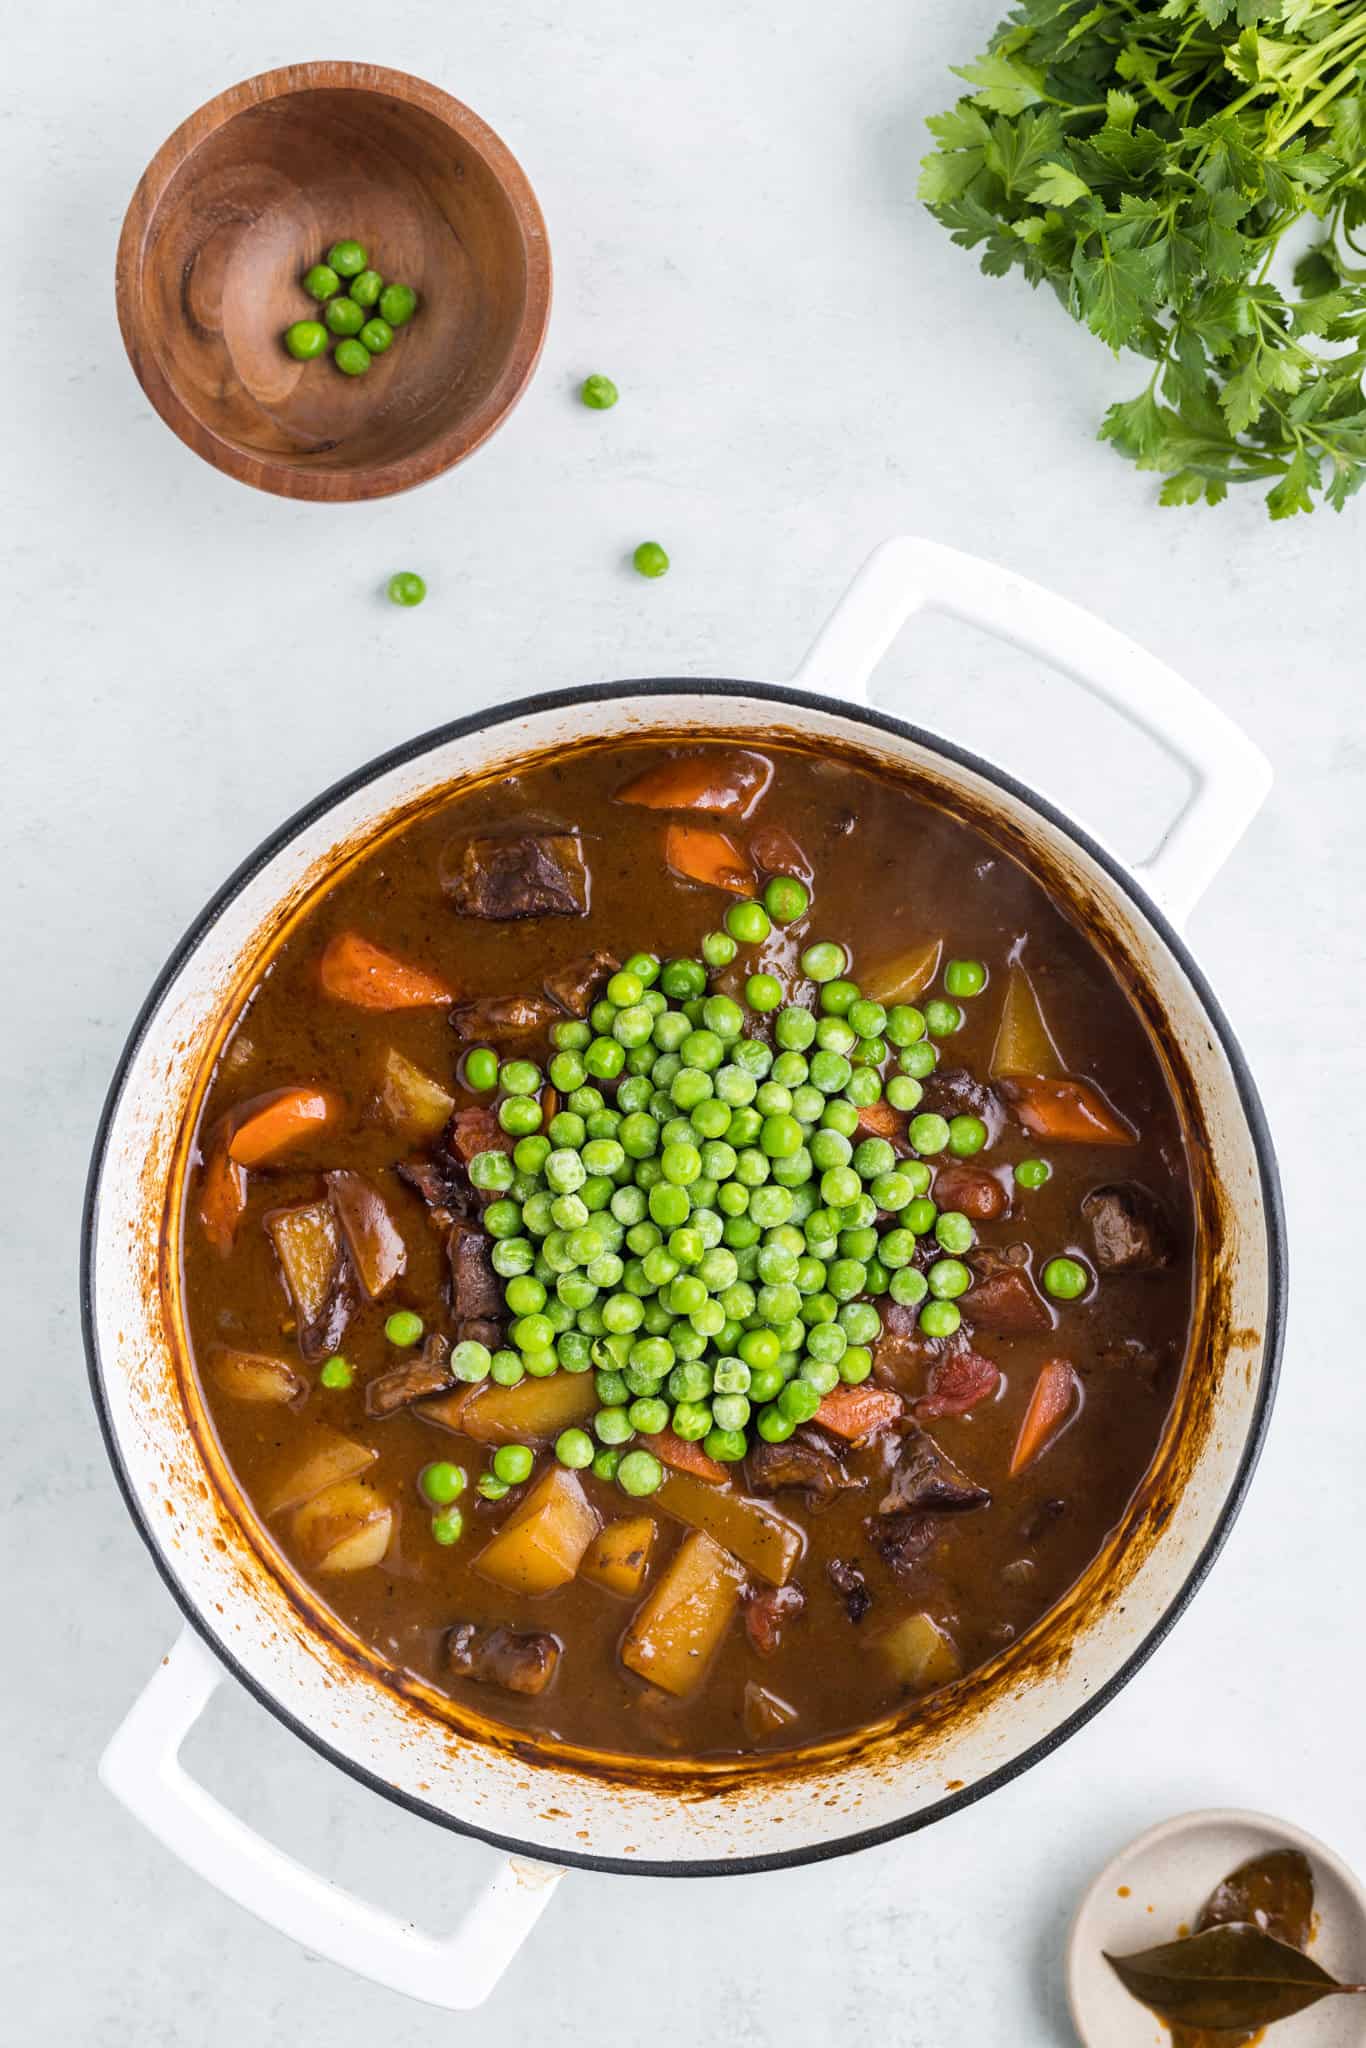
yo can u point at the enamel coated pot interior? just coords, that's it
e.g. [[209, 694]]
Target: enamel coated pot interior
[[678, 1818]]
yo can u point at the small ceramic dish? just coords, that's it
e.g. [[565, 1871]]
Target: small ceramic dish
[[248, 194], [1157, 1886]]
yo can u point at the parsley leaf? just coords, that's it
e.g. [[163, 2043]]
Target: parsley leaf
[[1147, 161]]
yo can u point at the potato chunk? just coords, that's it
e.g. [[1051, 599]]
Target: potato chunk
[[308, 1245], [921, 1653], [905, 976], [345, 1528], [334, 1457], [541, 1544], [1024, 1043], [411, 1101], [619, 1555], [255, 1376], [676, 1631], [532, 1412], [758, 1535]]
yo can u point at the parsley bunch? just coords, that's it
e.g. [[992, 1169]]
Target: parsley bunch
[[1146, 158]]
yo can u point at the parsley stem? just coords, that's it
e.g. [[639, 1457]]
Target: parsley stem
[[1310, 113]]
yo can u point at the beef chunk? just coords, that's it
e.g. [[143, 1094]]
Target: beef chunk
[[1002, 1296], [926, 1480], [437, 1181], [531, 875], [479, 1331], [476, 1289], [903, 1541], [477, 1129], [953, 1091], [806, 1463], [428, 1373], [767, 1613], [958, 1382], [849, 1582], [501, 1017], [898, 1318], [898, 1363], [572, 986], [373, 1241], [1128, 1228], [900, 1352], [518, 1662], [773, 849], [971, 1190]]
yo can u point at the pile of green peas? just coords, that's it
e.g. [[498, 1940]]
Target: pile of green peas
[[362, 317], [701, 1226]]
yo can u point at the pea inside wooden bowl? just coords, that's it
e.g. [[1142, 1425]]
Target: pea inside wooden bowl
[[252, 191]]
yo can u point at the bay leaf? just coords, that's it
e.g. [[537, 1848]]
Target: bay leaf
[[1230, 1976], [1274, 1892]]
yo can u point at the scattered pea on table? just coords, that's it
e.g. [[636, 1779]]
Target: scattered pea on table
[[599, 393], [406, 588], [650, 560]]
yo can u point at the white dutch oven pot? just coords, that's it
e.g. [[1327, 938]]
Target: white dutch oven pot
[[548, 1813]]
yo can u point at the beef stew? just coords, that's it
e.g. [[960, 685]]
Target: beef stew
[[555, 1521]]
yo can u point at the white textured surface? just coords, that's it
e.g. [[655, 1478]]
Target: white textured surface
[[807, 365]]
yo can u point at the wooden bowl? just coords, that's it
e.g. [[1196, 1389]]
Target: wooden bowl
[[252, 190]]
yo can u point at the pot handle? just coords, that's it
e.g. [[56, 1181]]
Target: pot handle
[[1230, 776], [142, 1768]]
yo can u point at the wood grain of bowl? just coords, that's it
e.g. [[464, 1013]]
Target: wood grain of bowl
[[248, 193]]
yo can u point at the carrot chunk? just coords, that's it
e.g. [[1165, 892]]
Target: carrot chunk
[[1068, 1112], [854, 1412], [726, 781], [699, 853], [222, 1193], [685, 1457], [274, 1122], [355, 971], [880, 1120], [1055, 1391]]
